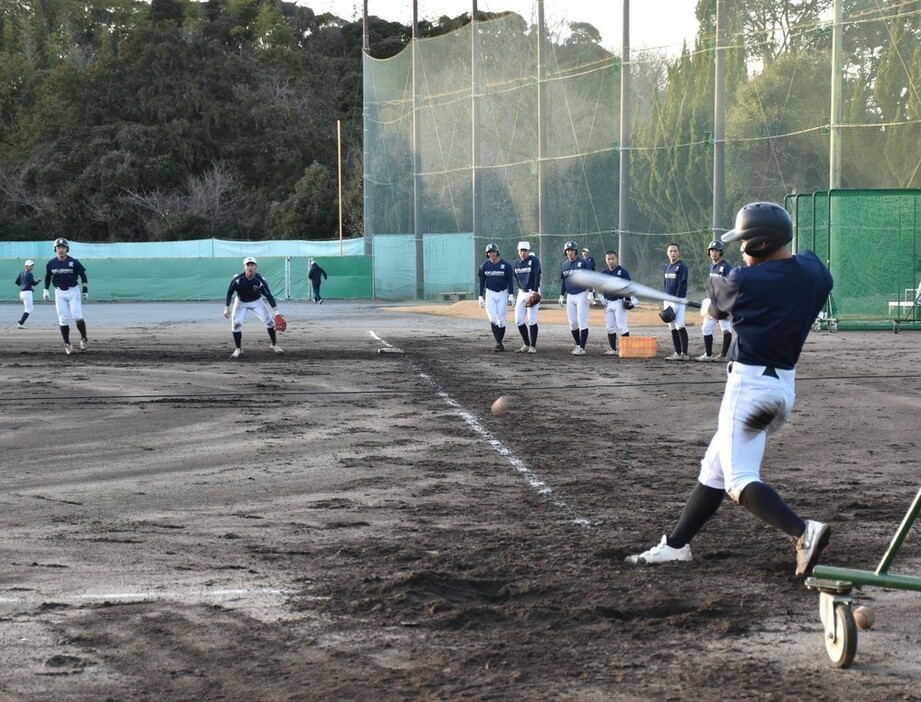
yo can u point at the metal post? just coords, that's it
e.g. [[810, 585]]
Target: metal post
[[417, 162], [834, 139], [366, 120], [541, 143], [719, 128], [623, 199], [476, 213]]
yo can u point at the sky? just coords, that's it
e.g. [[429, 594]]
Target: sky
[[653, 23]]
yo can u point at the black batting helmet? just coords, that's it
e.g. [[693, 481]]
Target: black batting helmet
[[570, 245], [766, 227], [61, 241], [492, 247], [718, 245]]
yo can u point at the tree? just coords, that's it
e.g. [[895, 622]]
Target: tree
[[311, 211]]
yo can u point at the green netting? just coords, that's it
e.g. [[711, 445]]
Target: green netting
[[124, 279], [871, 241]]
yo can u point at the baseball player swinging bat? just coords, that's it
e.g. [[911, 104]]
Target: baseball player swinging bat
[[620, 286]]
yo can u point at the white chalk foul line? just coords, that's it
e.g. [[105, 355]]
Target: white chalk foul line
[[529, 475], [222, 595]]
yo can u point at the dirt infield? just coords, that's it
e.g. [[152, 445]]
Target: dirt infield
[[338, 523]]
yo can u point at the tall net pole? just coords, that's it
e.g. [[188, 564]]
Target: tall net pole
[[624, 150]]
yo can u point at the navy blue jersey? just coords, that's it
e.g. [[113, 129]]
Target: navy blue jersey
[[528, 273], [720, 270], [566, 270], [26, 281], [676, 279], [496, 276], [64, 274], [590, 261], [315, 272], [249, 290], [773, 305], [618, 272]]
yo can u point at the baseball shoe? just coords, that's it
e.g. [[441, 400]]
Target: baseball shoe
[[610, 352], [499, 347], [83, 344], [705, 357], [578, 351], [809, 546], [720, 359], [276, 348], [20, 326], [683, 357], [674, 357], [524, 349], [236, 353], [320, 300], [532, 349], [68, 349], [661, 553]]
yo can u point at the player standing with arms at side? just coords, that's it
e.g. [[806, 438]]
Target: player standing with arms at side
[[773, 303], [497, 292], [63, 271], [676, 284], [527, 273], [26, 281], [718, 269], [615, 306], [250, 288], [314, 274], [575, 299]]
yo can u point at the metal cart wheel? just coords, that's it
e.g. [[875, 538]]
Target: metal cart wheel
[[832, 327], [895, 326], [842, 645], [817, 326]]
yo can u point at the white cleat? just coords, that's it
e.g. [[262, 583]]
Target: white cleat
[[532, 349], [674, 357], [661, 553], [810, 545], [610, 352], [236, 353], [276, 348], [83, 344], [68, 349], [20, 326], [704, 357], [578, 351], [524, 349]]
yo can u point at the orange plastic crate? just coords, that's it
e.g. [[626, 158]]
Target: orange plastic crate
[[637, 347]]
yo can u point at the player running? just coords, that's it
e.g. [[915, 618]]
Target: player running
[[773, 303], [63, 271], [26, 281], [497, 292], [527, 273], [718, 269], [250, 288]]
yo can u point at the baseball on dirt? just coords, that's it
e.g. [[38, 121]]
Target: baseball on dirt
[[501, 405], [864, 617]]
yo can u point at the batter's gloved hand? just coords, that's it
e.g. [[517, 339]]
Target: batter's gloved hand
[[45, 295], [481, 302], [590, 297], [86, 295], [562, 300], [511, 300]]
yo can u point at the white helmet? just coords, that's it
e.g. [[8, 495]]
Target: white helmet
[[526, 245], [30, 262]]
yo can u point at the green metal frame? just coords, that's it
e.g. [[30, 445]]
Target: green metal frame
[[881, 576]]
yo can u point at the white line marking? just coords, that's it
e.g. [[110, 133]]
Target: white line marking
[[220, 595], [377, 338], [529, 475]]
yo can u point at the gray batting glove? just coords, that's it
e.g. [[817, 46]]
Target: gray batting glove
[[511, 300], [562, 300], [45, 295], [481, 302]]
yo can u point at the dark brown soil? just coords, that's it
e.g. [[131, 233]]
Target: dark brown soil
[[337, 523]]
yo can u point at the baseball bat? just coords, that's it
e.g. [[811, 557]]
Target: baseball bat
[[619, 286]]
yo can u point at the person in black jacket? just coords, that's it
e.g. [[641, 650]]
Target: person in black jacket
[[314, 274]]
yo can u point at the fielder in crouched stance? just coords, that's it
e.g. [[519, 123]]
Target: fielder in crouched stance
[[250, 288], [772, 302]]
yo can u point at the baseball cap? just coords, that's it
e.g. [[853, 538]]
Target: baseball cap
[[30, 262], [248, 259], [585, 251], [524, 245]]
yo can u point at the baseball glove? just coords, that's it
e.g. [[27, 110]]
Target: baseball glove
[[628, 304], [667, 315], [533, 299], [281, 324]]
